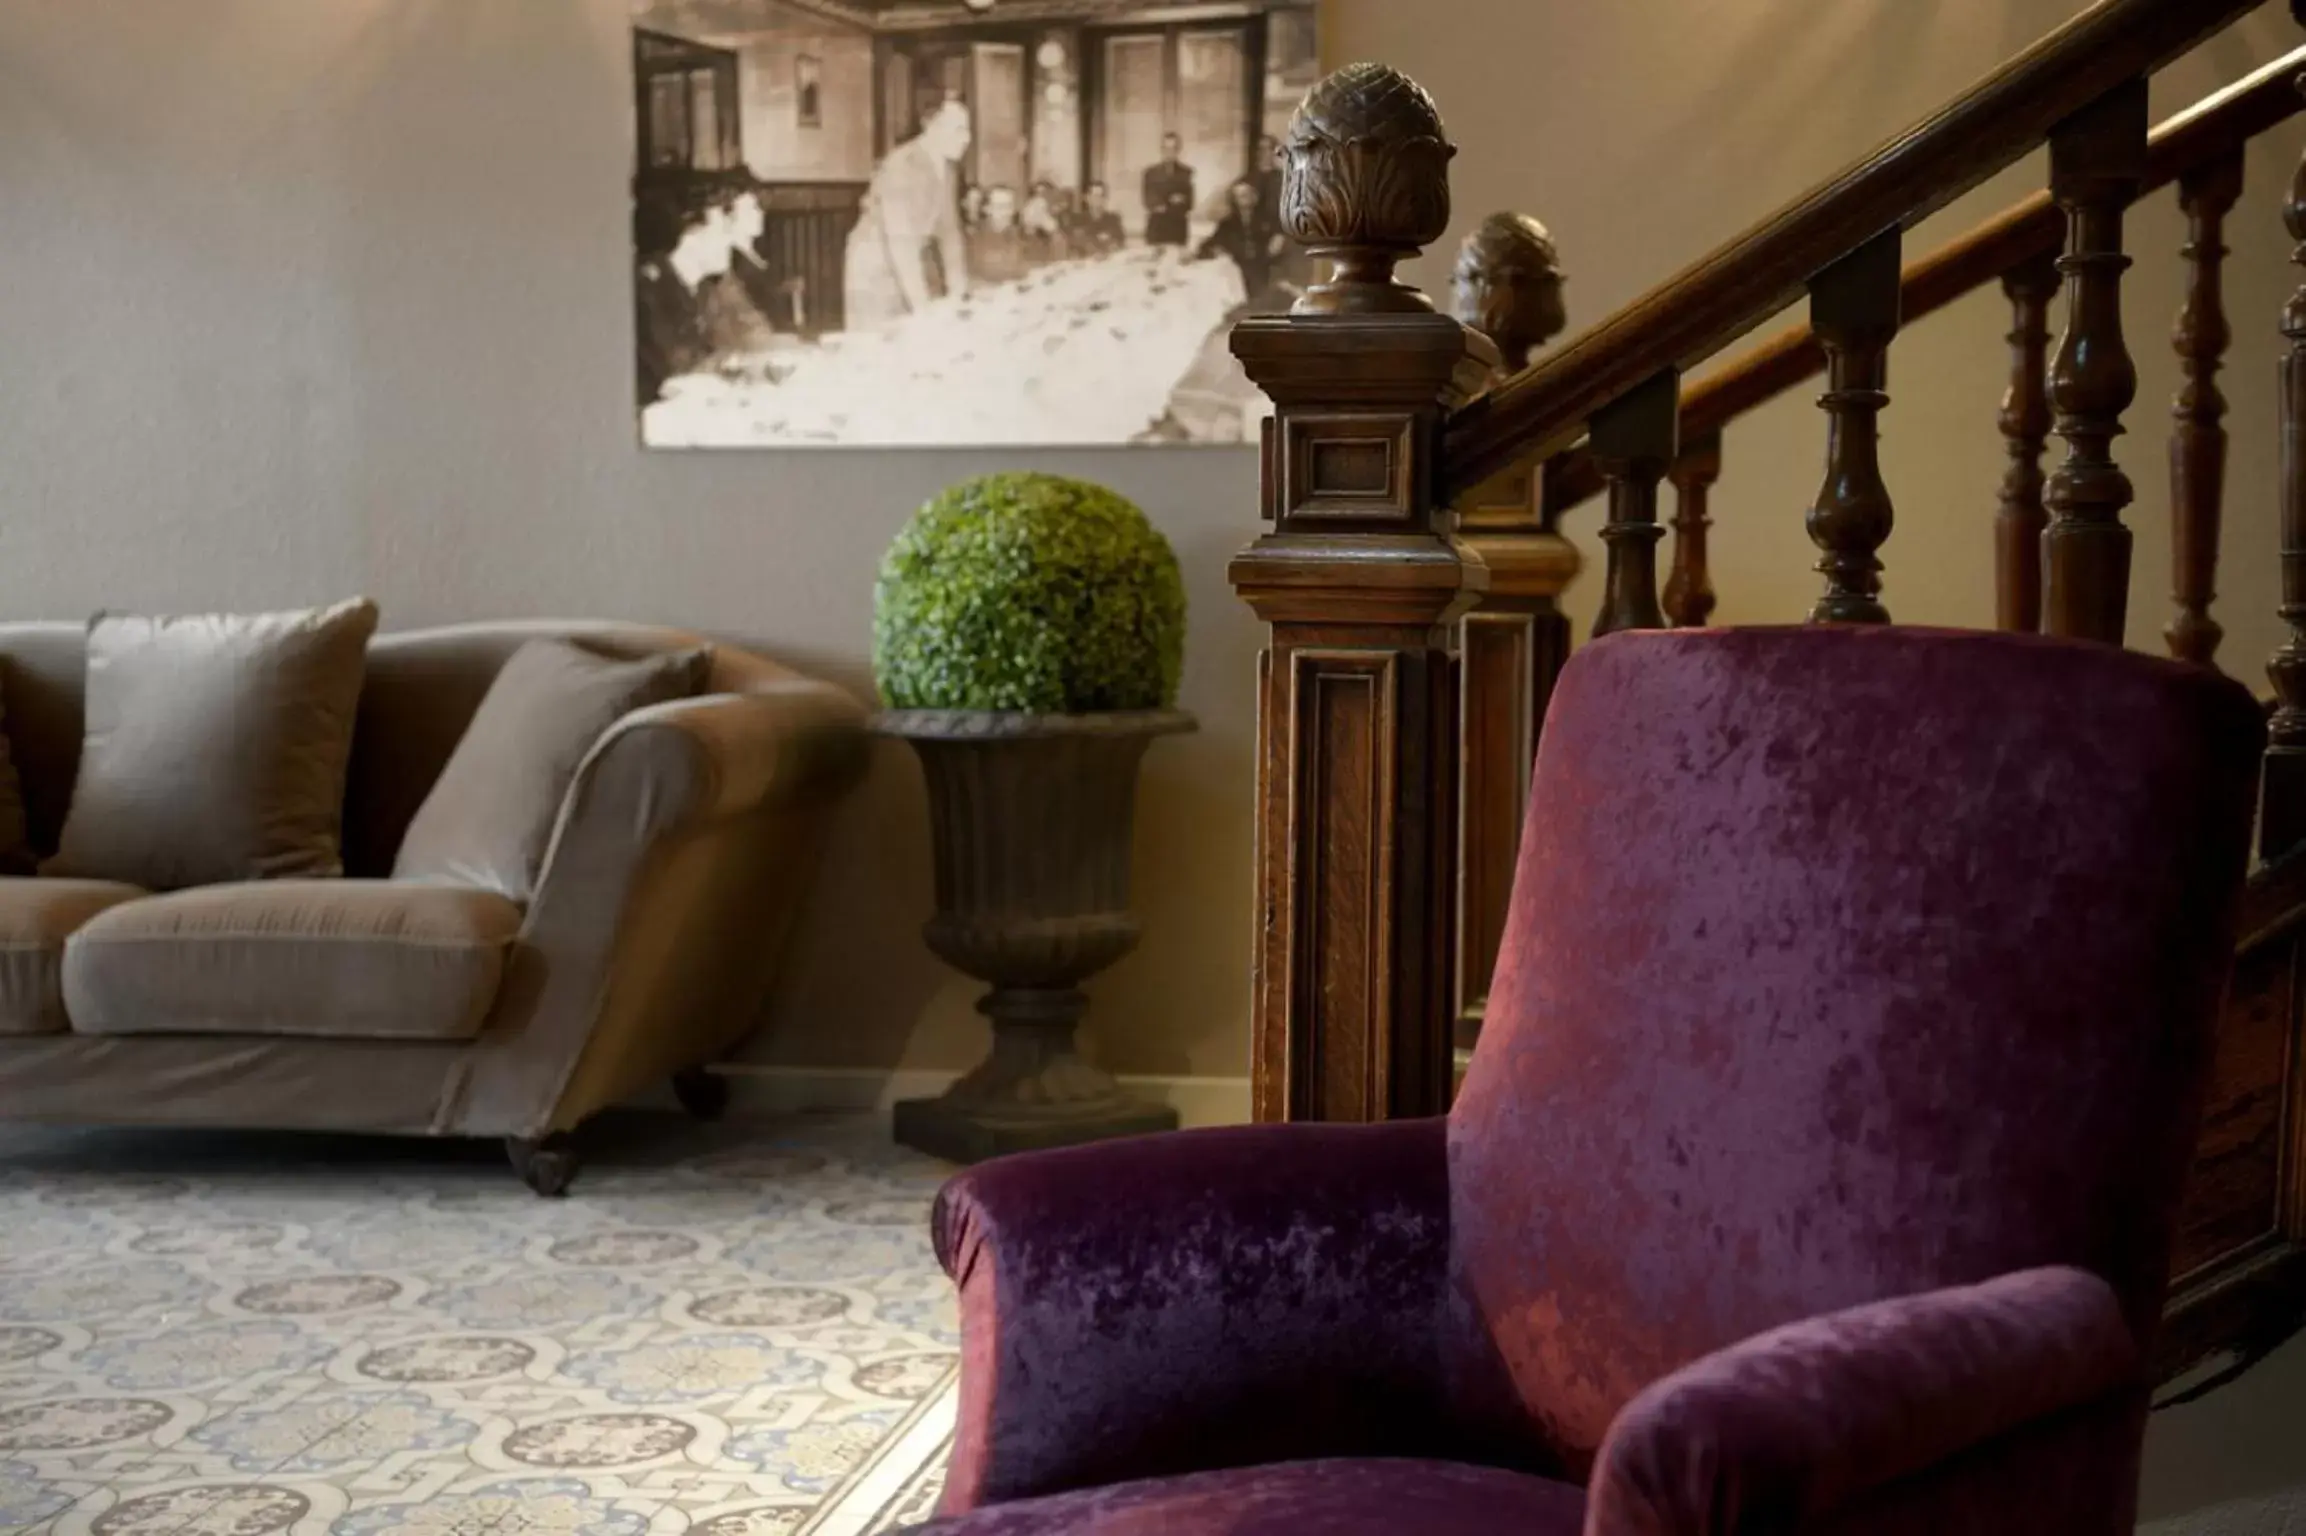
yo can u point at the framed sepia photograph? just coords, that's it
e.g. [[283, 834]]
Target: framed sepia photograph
[[881, 223]]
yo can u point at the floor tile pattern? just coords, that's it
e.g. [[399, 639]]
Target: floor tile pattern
[[729, 1332]]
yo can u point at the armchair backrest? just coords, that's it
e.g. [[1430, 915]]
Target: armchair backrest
[[1843, 963]]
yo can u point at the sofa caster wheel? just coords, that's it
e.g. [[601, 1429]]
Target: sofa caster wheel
[[545, 1164], [705, 1095]]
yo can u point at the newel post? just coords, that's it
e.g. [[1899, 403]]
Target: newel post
[[1508, 287], [1361, 582]]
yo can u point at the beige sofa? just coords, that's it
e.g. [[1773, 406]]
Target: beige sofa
[[684, 850]]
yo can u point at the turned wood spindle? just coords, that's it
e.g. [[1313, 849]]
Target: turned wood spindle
[[2025, 424], [1854, 311], [2282, 822], [1361, 582], [2198, 438], [1634, 440], [2097, 159], [1689, 594], [1508, 286]]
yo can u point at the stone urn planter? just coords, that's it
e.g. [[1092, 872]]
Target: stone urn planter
[[1032, 818], [1028, 638]]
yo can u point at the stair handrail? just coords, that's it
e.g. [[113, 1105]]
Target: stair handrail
[[2216, 125], [1681, 322]]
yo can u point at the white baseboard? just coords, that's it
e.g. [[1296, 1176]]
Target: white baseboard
[[762, 1090]]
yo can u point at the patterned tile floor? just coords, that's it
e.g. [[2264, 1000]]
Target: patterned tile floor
[[729, 1332]]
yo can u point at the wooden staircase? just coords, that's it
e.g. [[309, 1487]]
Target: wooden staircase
[[1416, 470]]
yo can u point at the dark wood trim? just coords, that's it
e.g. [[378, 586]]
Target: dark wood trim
[[2097, 160], [2282, 818], [1362, 583], [2031, 228], [2025, 426], [1635, 441], [1689, 594], [1854, 309], [2198, 430]]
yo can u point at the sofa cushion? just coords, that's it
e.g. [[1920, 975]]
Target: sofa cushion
[[353, 959], [215, 747], [36, 917], [490, 817], [1296, 1498]]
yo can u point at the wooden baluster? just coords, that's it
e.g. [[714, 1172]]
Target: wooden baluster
[[2097, 159], [1512, 646], [1854, 311], [2025, 423], [1634, 441], [2282, 818], [1689, 595], [1361, 581], [2198, 441]]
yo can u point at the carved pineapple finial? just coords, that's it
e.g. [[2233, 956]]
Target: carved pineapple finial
[[1365, 183]]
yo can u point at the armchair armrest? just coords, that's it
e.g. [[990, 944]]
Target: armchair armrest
[[1192, 1301], [1781, 1431]]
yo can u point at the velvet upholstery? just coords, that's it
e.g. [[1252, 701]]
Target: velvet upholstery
[[1777, 1431], [1301, 1498], [1815, 1171]]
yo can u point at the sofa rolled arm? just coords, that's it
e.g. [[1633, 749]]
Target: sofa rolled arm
[[738, 752], [1193, 1301], [1779, 1432], [683, 851]]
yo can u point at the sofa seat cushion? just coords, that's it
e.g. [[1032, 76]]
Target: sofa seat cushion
[[36, 917], [351, 959], [1298, 1498]]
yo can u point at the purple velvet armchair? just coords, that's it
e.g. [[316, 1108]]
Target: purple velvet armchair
[[1815, 1172]]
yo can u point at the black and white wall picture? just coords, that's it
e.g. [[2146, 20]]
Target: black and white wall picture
[[958, 222]]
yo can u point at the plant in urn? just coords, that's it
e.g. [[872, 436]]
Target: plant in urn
[[1028, 635]]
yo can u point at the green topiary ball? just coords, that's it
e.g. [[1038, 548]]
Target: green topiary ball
[[1030, 593]]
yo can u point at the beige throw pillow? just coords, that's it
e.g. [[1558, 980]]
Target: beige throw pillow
[[215, 747], [490, 818]]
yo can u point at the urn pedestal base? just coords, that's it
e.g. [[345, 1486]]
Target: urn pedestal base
[[960, 1134], [1034, 1091], [1032, 818]]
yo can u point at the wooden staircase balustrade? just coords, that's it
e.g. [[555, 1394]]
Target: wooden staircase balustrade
[[1634, 442], [1414, 472], [2097, 162], [2025, 424], [1854, 310], [2198, 440], [1686, 319], [1689, 594], [2030, 229]]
